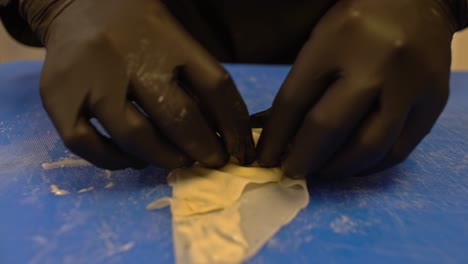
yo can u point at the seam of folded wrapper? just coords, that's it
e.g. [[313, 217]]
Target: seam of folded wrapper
[[171, 201]]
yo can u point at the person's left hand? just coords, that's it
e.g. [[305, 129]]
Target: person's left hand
[[365, 89]]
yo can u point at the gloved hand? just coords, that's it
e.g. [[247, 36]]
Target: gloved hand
[[161, 97], [365, 89]]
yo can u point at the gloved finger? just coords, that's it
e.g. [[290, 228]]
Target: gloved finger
[[67, 115], [310, 76], [370, 144], [85, 141], [418, 124], [180, 120], [328, 125], [221, 101], [135, 135], [258, 120]]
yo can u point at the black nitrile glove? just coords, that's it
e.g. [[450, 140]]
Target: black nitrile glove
[[366, 88], [161, 97]]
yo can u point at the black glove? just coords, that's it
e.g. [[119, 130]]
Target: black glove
[[365, 89], [161, 97]]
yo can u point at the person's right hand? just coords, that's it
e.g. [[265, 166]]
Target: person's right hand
[[160, 96]]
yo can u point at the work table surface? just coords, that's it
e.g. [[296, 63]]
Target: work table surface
[[416, 212]]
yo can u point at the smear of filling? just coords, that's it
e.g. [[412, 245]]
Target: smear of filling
[[57, 191], [227, 215], [65, 162], [86, 189]]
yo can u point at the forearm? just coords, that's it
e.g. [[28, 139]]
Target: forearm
[[15, 25]]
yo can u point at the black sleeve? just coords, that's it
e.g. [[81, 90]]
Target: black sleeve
[[464, 13], [17, 27], [459, 9]]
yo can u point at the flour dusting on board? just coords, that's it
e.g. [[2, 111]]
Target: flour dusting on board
[[343, 225], [75, 162], [112, 242]]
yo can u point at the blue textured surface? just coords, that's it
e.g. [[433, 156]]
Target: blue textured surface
[[416, 212]]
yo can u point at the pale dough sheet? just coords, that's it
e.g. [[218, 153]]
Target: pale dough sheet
[[227, 215]]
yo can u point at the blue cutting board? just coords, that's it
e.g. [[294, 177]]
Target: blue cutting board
[[414, 213]]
